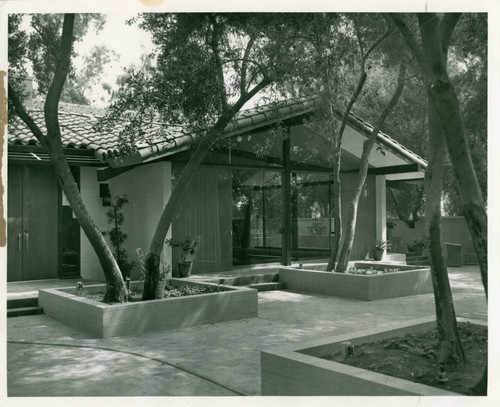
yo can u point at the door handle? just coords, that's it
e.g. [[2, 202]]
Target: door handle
[[26, 241], [19, 248]]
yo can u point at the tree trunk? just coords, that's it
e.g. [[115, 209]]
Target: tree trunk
[[435, 39], [115, 286], [152, 262], [445, 102], [337, 213], [345, 253], [116, 290], [448, 336]]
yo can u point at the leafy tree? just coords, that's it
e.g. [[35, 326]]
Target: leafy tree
[[50, 51], [406, 203], [83, 81], [209, 65], [367, 147], [446, 132]]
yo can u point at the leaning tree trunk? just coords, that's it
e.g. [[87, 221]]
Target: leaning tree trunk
[[337, 186], [337, 213], [115, 287], [152, 261], [450, 345], [116, 290], [445, 102], [352, 208]]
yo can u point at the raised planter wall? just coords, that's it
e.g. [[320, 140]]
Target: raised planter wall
[[298, 370], [410, 281], [109, 320]]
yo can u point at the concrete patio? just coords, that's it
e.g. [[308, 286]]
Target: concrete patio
[[48, 359]]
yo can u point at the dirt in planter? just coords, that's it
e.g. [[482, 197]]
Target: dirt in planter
[[414, 357], [181, 291]]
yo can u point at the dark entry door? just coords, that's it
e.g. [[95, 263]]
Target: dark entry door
[[33, 223]]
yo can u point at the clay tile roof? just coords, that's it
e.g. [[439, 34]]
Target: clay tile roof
[[77, 121]]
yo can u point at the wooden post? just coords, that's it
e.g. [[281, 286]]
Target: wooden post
[[286, 239]]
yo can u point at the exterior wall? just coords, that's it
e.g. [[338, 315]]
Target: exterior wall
[[454, 230], [207, 213], [381, 208], [148, 188], [366, 220]]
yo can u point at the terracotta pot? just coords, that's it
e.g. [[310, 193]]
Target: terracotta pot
[[184, 268], [160, 289], [416, 252], [378, 254]]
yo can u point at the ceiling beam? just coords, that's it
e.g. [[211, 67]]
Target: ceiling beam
[[395, 169], [106, 174]]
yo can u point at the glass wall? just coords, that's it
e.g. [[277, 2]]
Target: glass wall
[[312, 223], [256, 216]]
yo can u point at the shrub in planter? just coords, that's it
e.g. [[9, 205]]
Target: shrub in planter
[[417, 247], [188, 247]]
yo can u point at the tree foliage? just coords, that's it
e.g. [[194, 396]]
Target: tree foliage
[[37, 47]]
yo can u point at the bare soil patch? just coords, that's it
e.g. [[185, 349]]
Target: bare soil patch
[[414, 357]]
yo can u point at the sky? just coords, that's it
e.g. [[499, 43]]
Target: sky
[[129, 42]]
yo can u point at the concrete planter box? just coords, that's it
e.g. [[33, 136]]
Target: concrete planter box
[[411, 280], [298, 370], [108, 320]]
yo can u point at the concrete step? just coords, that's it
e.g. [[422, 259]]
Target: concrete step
[[23, 311], [22, 302], [422, 262], [248, 280], [268, 286]]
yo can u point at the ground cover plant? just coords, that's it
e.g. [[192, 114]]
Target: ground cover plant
[[416, 357], [371, 271], [170, 292]]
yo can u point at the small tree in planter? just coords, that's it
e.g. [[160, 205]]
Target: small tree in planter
[[188, 247], [116, 235]]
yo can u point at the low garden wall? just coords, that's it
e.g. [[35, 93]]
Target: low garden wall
[[108, 320], [299, 370], [411, 280]]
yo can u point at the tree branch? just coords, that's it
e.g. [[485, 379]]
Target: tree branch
[[243, 78], [214, 46], [410, 40], [375, 45], [51, 106], [25, 117], [448, 24], [48, 43]]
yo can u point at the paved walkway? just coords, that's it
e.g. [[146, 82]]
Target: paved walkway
[[47, 358]]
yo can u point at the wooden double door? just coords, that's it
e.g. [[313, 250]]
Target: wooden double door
[[33, 226]]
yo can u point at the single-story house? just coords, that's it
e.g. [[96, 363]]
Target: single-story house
[[262, 195]]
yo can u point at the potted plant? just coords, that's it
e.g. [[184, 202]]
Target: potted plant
[[188, 247], [379, 248], [417, 247], [162, 281]]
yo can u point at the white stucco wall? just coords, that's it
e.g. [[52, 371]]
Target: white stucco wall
[[148, 188]]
